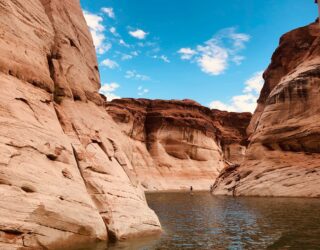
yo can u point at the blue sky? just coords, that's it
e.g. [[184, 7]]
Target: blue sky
[[211, 51]]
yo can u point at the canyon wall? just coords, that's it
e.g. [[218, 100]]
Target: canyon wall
[[283, 155], [64, 175], [178, 144]]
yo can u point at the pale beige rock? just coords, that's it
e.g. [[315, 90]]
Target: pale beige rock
[[283, 156], [102, 156], [64, 174], [38, 203]]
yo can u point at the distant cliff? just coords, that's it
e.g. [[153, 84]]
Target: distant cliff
[[283, 158], [177, 144]]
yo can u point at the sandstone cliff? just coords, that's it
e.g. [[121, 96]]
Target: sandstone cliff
[[64, 175], [283, 156], [177, 144]]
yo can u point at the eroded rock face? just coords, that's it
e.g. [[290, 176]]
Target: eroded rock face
[[178, 144], [64, 177], [283, 156]]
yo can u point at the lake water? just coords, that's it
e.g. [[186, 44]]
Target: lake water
[[203, 221]]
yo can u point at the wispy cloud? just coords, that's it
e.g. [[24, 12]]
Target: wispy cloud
[[109, 63], [142, 91], [132, 74], [108, 90], [214, 56], [135, 53], [114, 32], [186, 53], [162, 57], [123, 43], [139, 34], [125, 57], [109, 12], [95, 23], [246, 102]]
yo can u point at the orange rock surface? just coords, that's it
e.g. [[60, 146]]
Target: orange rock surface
[[64, 175], [283, 156], [178, 144]]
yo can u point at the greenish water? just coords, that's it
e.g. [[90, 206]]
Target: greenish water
[[203, 221]]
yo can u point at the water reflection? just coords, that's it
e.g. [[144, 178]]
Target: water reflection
[[203, 221]]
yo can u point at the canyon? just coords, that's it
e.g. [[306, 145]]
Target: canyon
[[74, 166], [283, 158], [178, 144]]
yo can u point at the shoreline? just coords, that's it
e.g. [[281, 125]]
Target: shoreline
[[174, 191]]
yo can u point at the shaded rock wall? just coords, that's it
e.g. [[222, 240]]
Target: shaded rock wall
[[283, 156], [64, 176], [178, 144]]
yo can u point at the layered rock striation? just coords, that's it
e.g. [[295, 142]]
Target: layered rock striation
[[283, 156], [64, 175], [178, 144]]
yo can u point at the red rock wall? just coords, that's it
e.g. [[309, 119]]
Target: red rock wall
[[179, 144], [283, 155]]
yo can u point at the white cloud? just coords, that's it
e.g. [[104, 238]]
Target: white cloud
[[110, 64], [139, 34], [108, 90], [109, 87], [123, 43], [214, 56], [125, 57], [237, 59], [239, 39], [142, 91], [214, 59], [114, 32], [246, 102], [109, 12], [221, 106], [187, 53], [97, 31], [255, 83], [162, 57], [153, 45], [132, 74]]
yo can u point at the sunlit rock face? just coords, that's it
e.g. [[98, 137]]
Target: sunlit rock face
[[64, 173], [283, 156], [178, 144]]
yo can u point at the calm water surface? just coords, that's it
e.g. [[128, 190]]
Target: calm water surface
[[203, 221]]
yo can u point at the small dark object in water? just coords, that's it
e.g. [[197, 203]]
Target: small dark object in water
[[191, 190]]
